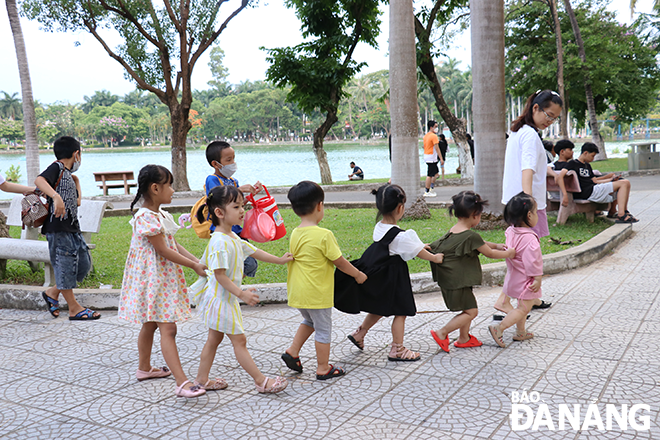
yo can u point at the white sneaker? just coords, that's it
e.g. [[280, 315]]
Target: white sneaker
[[430, 194]]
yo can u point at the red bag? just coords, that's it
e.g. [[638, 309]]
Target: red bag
[[263, 222]]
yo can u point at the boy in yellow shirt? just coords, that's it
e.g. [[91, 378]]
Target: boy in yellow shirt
[[310, 281]]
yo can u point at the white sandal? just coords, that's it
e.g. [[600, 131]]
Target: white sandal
[[279, 384]]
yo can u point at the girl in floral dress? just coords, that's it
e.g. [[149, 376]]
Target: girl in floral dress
[[153, 292]]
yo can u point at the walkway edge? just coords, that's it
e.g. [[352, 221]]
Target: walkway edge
[[29, 297]]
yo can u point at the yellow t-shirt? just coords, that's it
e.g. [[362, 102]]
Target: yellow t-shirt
[[310, 281]]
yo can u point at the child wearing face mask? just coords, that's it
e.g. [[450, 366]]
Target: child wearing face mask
[[221, 156]]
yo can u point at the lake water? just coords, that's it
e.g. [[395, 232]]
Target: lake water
[[272, 165]]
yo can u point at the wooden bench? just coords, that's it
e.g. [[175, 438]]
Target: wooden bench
[[115, 176], [575, 206], [33, 250]]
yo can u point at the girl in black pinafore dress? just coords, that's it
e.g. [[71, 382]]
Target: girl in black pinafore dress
[[387, 290]]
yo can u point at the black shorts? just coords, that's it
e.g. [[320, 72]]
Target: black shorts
[[432, 169]]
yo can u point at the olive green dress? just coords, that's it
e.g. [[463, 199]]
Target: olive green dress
[[460, 268]]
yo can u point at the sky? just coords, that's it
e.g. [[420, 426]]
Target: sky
[[65, 67]]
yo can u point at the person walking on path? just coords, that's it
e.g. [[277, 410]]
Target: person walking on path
[[153, 291], [431, 157], [217, 295], [525, 270], [387, 291]]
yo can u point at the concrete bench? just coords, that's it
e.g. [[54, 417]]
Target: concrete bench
[[575, 206], [33, 250], [115, 176]]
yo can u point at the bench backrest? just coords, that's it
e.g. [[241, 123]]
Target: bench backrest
[[571, 182], [113, 175], [90, 214]]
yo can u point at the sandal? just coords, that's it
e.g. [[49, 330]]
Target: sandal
[[153, 373], [359, 343], [291, 362], [523, 337], [85, 315], [627, 218], [443, 343], [496, 333], [543, 305], [193, 391], [334, 372], [213, 384], [472, 342], [52, 304], [279, 383], [401, 353]]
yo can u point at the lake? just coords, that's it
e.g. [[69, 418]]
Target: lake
[[275, 165]]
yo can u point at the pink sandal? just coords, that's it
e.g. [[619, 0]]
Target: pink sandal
[[193, 391], [216, 384], [278, 385], [154, 373]]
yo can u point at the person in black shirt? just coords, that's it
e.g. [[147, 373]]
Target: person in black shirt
[[357, 173], [609, 188]]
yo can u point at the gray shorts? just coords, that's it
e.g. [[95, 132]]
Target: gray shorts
[[321, 321], [69, 256], [602, 193]]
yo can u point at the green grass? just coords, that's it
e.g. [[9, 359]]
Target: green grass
[[611, 165], [385, 179], [352, 227]]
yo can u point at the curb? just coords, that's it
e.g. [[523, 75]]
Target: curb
[[29, 297]]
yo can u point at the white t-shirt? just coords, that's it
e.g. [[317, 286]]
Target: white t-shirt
[[406, 244], [2, 179], [524, 151]]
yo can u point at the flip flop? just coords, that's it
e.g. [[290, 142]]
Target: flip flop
[[291, 362], [472, 342], [52, 304], [334, 372], [443, 343], [85, 315]]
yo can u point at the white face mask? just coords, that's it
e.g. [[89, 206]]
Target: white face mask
[[228, 170], [435, 130], [75, 166]]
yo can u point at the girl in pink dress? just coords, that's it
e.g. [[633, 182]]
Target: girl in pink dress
[[524, 271]]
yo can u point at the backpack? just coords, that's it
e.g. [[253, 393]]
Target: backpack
[[35, 207], [203, 230]]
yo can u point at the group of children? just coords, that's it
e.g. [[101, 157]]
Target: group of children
[[154, 291]]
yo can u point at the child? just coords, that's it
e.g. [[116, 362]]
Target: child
[[217, 295], [310, 281], [153, 292], [69, 254], [388, 291], [220, 155], [524, 271], [461, 269]]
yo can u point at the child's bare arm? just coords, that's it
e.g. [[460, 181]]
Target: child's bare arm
[[345, 266], [536, 284], [159, 244], [496, 254], [424, 254], [183, 251], [15, 188], [269, 258], [498, 246], [249, 295], [58, 204], [77, 182]]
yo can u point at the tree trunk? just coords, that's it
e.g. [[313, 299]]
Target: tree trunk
[[593, 122], [403, 100], [488, 99], [456, 126], [321, 157], [180, 127], [29, 118], [563, 131]]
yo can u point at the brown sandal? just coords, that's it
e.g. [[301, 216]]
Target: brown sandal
[[523, 337], [401, 353], [359, 343]]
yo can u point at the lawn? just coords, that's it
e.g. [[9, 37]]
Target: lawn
[[352, 227]]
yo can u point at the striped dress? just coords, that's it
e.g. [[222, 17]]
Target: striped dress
[[219, 308]]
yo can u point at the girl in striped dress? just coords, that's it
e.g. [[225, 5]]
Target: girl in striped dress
[[217, 294]]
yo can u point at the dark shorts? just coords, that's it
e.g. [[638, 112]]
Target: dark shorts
[[432, 169], [459, 299], [69, 256], [250, 266]]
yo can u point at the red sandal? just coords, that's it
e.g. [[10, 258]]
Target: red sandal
[[472, 342]]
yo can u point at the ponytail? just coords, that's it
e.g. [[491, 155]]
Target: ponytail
[[150, 174]]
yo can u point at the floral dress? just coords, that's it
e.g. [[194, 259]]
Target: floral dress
[[219, 308], [154, 288]]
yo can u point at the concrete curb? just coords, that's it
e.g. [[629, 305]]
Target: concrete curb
[[29, 297]]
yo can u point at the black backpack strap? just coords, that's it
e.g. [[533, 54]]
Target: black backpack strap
[[390, 235]]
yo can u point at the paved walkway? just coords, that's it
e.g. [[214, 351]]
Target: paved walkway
[[598, 344]]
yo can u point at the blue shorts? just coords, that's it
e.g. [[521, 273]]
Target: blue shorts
[[69, 256], [321, 321]]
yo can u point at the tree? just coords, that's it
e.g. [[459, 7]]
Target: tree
[[10, 106], [155, 40], [441, 13], [29, 118], [319, 69], [102, 98], [219, 72]]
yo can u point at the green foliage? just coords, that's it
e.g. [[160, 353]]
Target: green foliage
[[10, 106], [219, 83], [623, 69], [13, 174], [118, 120], [11, 130]]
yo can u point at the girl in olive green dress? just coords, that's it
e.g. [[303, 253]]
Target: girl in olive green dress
[[461, 268]]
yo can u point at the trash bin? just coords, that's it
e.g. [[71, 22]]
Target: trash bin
[[643, 156]]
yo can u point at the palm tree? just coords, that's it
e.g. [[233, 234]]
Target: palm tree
[[29, 117], [10, 106], [489, 104], [403, 99], [100, 98]]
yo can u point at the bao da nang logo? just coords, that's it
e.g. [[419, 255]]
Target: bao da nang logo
[[530, 412]]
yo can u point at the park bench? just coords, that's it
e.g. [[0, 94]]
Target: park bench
[[575, 206], [115, 176], [29, 248]]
